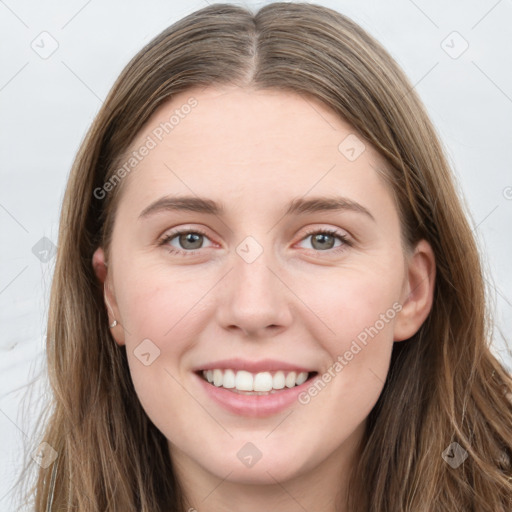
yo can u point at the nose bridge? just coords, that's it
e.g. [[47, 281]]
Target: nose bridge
[[252, 275], [254, 298]]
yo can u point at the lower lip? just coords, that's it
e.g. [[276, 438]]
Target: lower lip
[[253, 405]]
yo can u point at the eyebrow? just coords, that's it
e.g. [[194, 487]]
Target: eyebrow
[[296, 206]]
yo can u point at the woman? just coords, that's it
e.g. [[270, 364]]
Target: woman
[[324, 342]]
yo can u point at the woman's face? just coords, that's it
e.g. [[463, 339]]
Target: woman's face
[[267, 277]]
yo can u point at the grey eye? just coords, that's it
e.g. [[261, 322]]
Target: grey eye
[[322, 241], [190, 240]]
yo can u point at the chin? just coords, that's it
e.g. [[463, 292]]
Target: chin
[[266, 470]]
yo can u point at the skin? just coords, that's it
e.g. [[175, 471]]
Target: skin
[[298, 301]]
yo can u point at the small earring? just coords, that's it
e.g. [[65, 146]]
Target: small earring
[[113, 324]]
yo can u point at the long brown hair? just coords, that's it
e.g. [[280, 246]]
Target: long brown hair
[[444, 384]]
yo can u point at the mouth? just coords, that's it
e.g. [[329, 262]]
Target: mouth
[[243, 382]]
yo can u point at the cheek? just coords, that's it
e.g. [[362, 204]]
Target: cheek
[[163, 397], [162, 307], [162, 323], [360, 313], [358, 304], [164, 316]]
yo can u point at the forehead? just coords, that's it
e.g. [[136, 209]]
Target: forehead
[[226, 140], [248, 121]]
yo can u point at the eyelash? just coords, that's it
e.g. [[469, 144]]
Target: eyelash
[[329, 231]]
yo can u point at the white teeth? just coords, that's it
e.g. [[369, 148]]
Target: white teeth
[[301, 378], [259, 382], [217, 378], [244, 381], [278, 380], [229, 379], [290, 380], [263, 382]]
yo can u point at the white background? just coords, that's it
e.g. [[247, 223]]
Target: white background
[[48, 104]]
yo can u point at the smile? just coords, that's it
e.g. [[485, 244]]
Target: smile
[[266, 382], [253, 394]]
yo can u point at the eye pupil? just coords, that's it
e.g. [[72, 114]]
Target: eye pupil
[[321, 237], [192, 238]]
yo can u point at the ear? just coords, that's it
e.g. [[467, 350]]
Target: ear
[[418, 291], [100, 269]]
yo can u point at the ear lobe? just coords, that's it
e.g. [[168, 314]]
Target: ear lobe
[[99, 265], [418, 292], [101, 271]]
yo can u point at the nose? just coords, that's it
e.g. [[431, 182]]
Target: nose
[[254, 298]]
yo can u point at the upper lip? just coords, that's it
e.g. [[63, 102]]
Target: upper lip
[[261, 365]]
